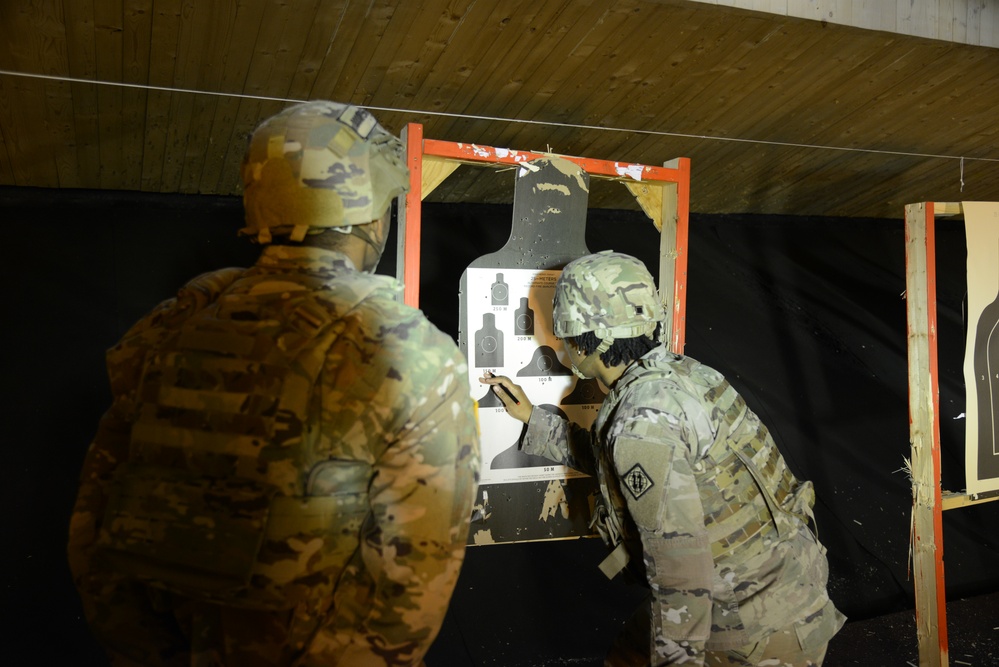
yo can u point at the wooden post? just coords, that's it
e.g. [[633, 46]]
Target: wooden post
[[924, 430]]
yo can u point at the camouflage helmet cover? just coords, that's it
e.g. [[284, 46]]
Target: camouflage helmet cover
[[319, 164], [609, 293]]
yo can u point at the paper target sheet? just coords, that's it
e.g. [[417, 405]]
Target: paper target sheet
[[509, 329]]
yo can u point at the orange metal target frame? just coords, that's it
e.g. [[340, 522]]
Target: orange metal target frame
[[662, 192]]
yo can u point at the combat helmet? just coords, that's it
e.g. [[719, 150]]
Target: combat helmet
[[609, 293], [317, 165]]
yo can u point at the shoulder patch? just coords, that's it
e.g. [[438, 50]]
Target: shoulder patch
[[637, 481]]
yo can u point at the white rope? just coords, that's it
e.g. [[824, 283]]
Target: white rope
[[499, 119]]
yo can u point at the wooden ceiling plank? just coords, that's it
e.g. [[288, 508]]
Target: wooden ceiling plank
[[328, 17], [781, 170], [768, 91], [108, 40], [228, 135], [790, 173], [523, 63], [392, 64], [800, 103], [692, 69], [277, 48], [645, 64], [137, 25], [520, 39], [78, 16], [419, 64], [641, 65], [619, 49], [554, 97], [297, 23], [163, 56], [369, 34], [586, 92], [346, 33], [213, 42], [692, 76], [39, 49], [951, 78]]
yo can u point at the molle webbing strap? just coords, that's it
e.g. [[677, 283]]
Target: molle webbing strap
[[222, 449], [746, 489]]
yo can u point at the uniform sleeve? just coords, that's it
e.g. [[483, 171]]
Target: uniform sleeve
[[421, 496], [557, 439], [657, 482]]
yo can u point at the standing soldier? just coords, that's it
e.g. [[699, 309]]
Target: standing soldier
[[285, 475], [697, 499]]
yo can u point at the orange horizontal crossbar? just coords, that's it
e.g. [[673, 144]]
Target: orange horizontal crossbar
[[605, 168]]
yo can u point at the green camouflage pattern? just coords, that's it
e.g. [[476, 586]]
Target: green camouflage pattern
[[608, 293], [700, 495], [285, 476], [317, 165]]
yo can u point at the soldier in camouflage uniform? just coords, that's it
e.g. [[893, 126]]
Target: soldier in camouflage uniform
[[286, 473], [696, 498]]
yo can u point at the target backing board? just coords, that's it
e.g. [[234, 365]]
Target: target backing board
[[505, 328]]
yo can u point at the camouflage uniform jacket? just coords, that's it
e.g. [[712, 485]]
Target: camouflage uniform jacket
[[392, 401], [681, 461]]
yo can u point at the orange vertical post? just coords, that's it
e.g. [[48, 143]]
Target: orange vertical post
[[682, 246], [413, 227]]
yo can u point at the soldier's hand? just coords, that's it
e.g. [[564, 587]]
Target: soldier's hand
[[513, 397]]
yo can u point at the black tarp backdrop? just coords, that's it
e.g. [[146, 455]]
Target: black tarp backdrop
[[806, 316]]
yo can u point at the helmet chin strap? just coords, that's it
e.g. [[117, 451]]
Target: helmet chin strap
[[582, 371], [378, 246]]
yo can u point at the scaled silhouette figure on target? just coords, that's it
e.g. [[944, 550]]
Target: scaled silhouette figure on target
[[523, 319], [488, 343], [585, 392], [499, 292], [545, 362], [512, 457], [490, 400]]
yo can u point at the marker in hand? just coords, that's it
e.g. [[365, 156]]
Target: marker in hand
[[505, 390]]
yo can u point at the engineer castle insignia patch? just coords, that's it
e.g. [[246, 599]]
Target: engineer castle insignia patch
[[637, 481]]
